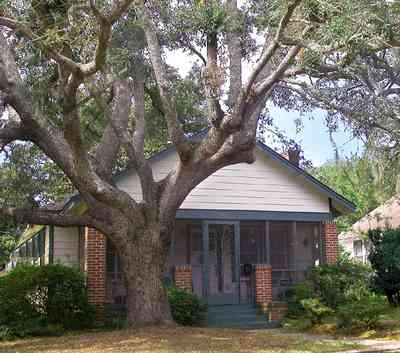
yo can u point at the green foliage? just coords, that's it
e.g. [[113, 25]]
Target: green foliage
[[44, 299], [366, 180], [5, 333], [7, 244], [384, 257], [204, 17], [361, 307], [186, 308], [341, 290], [315, 310], [294, 297], [330, 282], [27, 179]]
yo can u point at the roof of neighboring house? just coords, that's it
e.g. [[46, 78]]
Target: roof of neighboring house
[[339, 204], [385, 215]]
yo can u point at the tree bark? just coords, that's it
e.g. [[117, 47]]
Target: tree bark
[[144, 262]]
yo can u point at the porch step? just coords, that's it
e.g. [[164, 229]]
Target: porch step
[[243, 316]]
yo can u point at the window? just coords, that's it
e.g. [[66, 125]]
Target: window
[[358, 250], [357, 247], [29, 248], [22, 251], [34, 246], [112, 261]]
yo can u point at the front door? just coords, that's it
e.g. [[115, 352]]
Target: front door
[[221, 265]]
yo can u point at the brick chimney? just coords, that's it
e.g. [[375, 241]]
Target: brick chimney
[[293, 156]]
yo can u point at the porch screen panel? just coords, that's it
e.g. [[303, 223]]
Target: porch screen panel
[[252, 251], [252, 242], [307, 247], [294, 249], [195, 233], [187, 249], [179, 247], [222, 279]]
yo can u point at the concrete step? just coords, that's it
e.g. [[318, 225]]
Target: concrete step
[[236, 316], [232, 308], [246, 326]]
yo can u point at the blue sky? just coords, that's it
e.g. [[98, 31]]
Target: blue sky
[[314, 137]]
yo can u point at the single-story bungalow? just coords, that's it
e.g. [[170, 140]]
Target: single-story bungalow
[[245, 235], [355, 241]]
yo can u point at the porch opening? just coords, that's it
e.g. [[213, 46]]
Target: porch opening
[[223, 265]]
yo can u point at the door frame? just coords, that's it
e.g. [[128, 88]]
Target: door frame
[[206, 243]]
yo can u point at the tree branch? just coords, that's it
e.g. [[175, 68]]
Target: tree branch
[[20, 28], [175, 131], [143, 168], [11, 133], [267, 54], [235, 54], [211, 75], [105, 23], [267, 84], [44, 216]]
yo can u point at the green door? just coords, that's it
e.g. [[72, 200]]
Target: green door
[[221, 265]]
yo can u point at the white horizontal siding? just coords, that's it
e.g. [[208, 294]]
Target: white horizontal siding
[[265, 185], [66, 246]]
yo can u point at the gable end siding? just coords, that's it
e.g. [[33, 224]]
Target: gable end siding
[[264, 185]]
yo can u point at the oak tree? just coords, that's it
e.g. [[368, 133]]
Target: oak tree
[[60, 59]]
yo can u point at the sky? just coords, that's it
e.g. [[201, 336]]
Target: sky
[[314, 137]]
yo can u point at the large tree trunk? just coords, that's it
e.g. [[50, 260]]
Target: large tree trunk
[[144, 262]]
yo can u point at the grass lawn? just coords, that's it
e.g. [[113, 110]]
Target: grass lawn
[[175, 340], [388, 327]]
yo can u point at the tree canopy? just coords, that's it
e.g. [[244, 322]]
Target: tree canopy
[[368, 180]]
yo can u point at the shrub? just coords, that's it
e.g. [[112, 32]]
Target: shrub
[[39, 299], [338, 290], [385, 260], [67, 302], [362, 308], [186, 308], [315, 310], [5, 333], [294, 296], [330, 282]]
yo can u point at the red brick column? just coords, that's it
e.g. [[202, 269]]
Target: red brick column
[[183, 277], [95, 267], [263, 275], [331, 242]]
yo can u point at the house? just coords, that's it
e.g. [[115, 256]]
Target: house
[[246, 234], [354, 241]]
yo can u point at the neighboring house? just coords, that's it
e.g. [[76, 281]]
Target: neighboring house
[[355, 241], [244, 235]]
